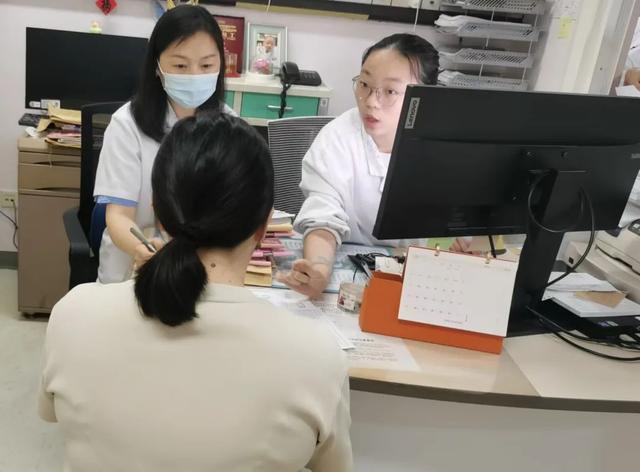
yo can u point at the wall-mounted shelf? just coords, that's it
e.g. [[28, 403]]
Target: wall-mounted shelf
[[523, 7], [493, 30], [458, 79], [487, 57]]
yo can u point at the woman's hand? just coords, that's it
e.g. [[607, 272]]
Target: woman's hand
[[461, 245], [309, 278], [632, 77], [142, 254]]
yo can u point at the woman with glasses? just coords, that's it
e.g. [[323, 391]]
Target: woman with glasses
[[344, 171]]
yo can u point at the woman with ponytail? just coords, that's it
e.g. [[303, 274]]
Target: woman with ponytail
[[183, 368]]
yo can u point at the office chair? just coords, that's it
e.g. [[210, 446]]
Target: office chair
[[86, 223], [289, 141]]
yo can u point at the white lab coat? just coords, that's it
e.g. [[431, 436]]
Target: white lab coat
[[124, 172], [343, 176], [633, 58]]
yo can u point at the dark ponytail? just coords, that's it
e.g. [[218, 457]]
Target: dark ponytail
[[212, 188], [422, 56], [176, 271]]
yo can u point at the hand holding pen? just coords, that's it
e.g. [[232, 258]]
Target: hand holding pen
[[146, 249]]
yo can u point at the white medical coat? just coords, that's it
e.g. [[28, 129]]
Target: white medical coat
[[343, 175], [124, 172]]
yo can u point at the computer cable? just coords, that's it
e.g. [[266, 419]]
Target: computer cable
[[493, 247], [556, 330], [584, 197], [592, 239], [13, 222], [632, 346], [532, 190]]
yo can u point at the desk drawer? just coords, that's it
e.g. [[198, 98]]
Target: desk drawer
[[48, 177], [48, 159], [229, 97], [262, 105], [43, 262]]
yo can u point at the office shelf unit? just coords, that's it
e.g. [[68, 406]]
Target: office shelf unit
[[493, 54]]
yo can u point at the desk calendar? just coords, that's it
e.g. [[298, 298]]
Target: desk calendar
[[459, 291]]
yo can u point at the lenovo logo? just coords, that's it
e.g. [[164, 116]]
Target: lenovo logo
[[414, 104]]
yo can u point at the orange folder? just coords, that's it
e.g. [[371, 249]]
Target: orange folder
[[379, 314]]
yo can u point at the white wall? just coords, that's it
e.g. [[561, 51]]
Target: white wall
[[585, 59], [333, 46]]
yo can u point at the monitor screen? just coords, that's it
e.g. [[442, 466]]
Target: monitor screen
[[80, 68], [464, 161], [481, 162]]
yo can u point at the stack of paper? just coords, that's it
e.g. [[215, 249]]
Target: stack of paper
[[64, 139], [61, 128], [453, 24], [587, 296], [280, 223], [579, 282], [260, 269], [65, 116]]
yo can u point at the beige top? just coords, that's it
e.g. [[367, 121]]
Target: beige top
[[244, 387]]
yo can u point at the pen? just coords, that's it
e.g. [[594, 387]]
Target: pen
[[138, 234]]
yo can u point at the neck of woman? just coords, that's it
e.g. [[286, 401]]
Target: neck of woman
[[181, 112], [384, 143], [226, 266]]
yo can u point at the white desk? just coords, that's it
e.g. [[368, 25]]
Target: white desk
[[532, 372], [540, 405]]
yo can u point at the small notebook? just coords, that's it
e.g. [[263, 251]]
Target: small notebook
[[459, 291]]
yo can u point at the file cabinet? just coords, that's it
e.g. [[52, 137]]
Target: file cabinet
[[48, 185]]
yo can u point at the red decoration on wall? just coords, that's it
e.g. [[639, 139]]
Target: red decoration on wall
[[106, 6]]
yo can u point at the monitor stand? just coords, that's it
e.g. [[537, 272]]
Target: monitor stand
[[540, 250]]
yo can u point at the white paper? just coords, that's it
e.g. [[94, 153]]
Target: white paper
[[372, 351], [579, 282], [299, 304], [389, 265], [364, 350], [457, 291], [281, 214], [589, 309], [627, 91]]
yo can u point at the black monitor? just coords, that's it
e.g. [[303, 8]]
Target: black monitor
[[80, 68], [479, 162]]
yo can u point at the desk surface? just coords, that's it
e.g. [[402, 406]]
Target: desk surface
[[532, 372]]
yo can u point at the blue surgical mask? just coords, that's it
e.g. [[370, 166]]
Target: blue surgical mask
[[189, 90]]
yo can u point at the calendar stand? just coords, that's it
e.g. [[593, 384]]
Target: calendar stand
[[379, 314]]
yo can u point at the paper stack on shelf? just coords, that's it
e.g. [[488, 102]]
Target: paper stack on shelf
[[472, 27], [61, 128], [452, 78], [523, 7], [487, 57]]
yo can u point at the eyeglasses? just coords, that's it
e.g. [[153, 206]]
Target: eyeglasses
[[385, 96]]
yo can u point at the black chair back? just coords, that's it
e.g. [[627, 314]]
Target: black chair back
[[95, 118]]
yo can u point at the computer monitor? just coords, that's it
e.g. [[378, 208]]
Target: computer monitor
[[473, 162], [80, 68]]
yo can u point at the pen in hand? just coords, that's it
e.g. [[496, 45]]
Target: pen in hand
[[138, 234]]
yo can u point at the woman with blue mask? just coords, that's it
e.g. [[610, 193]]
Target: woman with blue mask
[[183, 74]]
